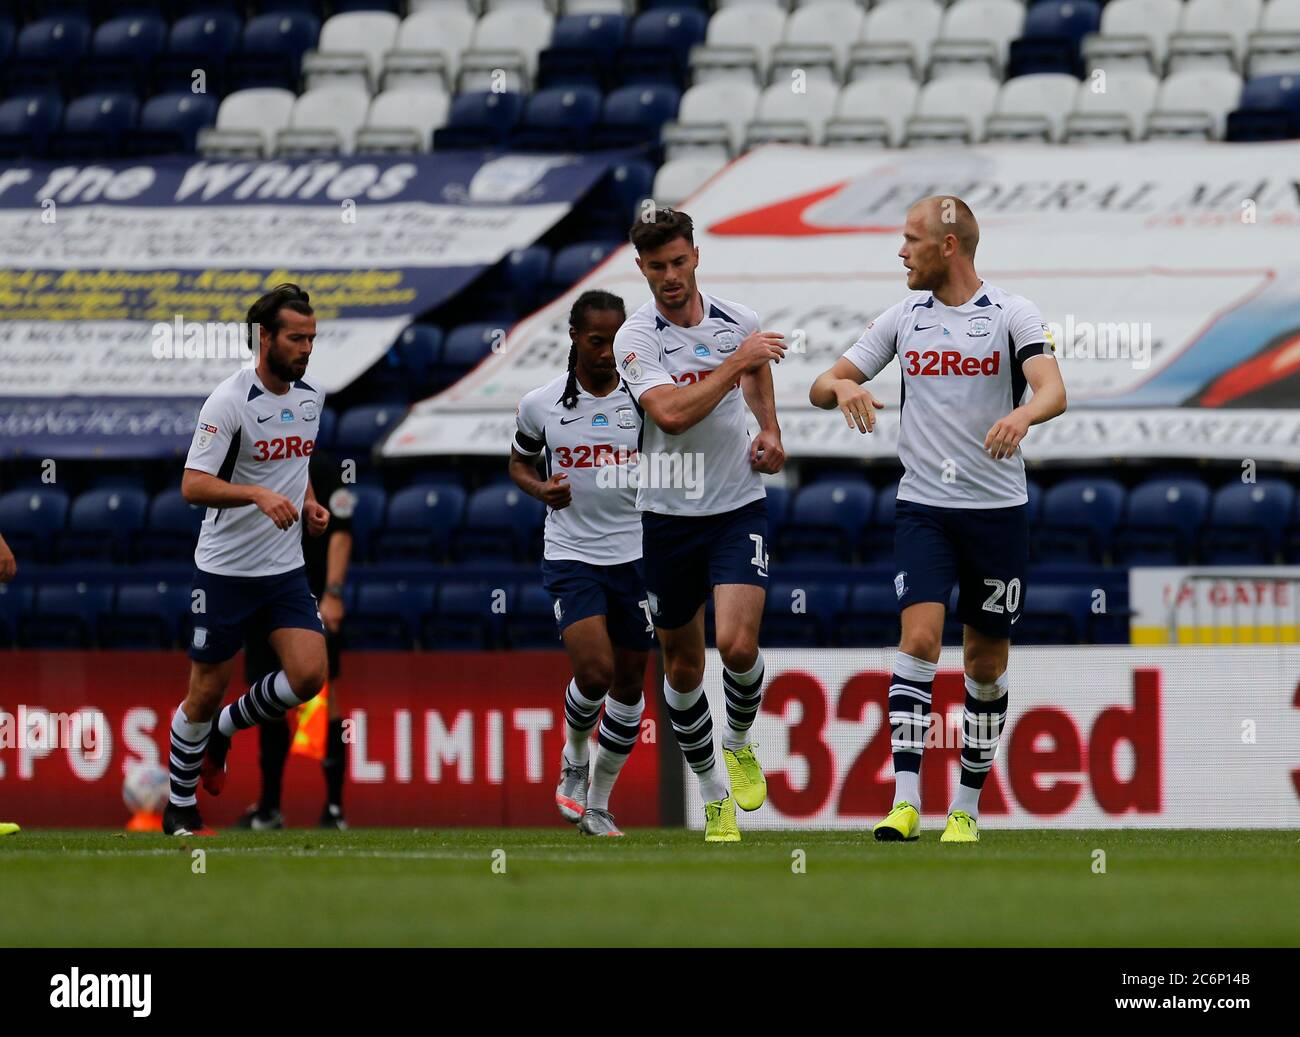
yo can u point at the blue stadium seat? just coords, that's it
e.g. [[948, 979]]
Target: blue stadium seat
[[1078, 520], [612, 205], [1052, 36], [479, 120], [103, 524], [361, 428], [65, 615], [97, 126], [388, 615], [207, 40], [172, 529], [329, 423], [1054, 614], [122, 53], [31, 520], [27, 125], [271, 50], [659, 46], [170, 123], [877, 543], [582, 51], [368, 505], [778, 511], [1269, 110], [8, 36], [1247, 522], [15, 602], [632, 116], [1162, 522], [420, 523], [803, 615], [419, 347], [1035, 494], [48, 50], [872, 620], [468, 344], [574, 262], [148, 615], [465, 619], [530, 619], [525, 274], [500, 521], [558, 119], [826, 521]]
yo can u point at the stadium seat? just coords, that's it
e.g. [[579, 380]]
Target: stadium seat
[[778, 509], [1270, 110], [1078, 520], [1118, 113], [1213, 34], [103, 524], [530, 623], [27, 125], [48, 52], [467, 345], [479, 120], [65, 615], [361, 428], [711, 119], [402, 119], [679, 178], [1274, 48], [388, 615], [204, 40], [324, 121], [1051, 37], [872, 111], [803, 615], [172, 529], [122, 53], [525, 271], [271, 50], [247, 124], [896, 40], [574, 262], [427, 52], [1134, 35], [500, 521], [615, 202], [582, 51], [419, 523], [351, 49], [506, 43], [1033, 107], [465, 618], [329, 423], [1162, 522], [872, 619], [170, 123], [876, 543], [826, 521], [951, 110], [975, 38], [632, 116], [1194, 104], [1055, 614], [817, 40], [786, 116], [738, 45], [96, 126], [15, 602], [31, 519], [558, 119], [658, 46], [419, 347], [148, 615], [1247, 522]]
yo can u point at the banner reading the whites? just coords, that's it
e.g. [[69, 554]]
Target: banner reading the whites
[[1167, 271], [124, 285]]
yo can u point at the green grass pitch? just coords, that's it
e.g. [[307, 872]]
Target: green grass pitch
[[382, 887]]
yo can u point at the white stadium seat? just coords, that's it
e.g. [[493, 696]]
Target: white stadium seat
[[247, 123], [712, 117], [792, 117], [975, 36], [415, 6], [403, 119], [817, 40], [896, 39], [951, 110], [872, 111], [1213, 33], [1032, 107], [597, 7], [324, 121], [739, 44], [679, 178], [351, 48], [1134, 35], [1195, 104], [427, 49], [1118, 112], [508, 39], [1275, 48]]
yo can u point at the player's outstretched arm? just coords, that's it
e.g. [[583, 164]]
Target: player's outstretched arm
[[1044, 376], [210, 492], [676, 408], [841, 386]]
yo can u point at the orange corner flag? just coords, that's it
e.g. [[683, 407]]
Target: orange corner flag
[[313, 725]]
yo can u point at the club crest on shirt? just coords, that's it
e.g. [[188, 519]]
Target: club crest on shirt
[[978, 327], [308, 410], [725, 340], [599, 421], [626, 419]]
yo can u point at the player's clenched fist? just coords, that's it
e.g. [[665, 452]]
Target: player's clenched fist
[[857, 405], [759, 348], [1005, 435], [316, 516], [556, 492], [278, 508]]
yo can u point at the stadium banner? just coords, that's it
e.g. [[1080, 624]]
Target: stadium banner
[[1212, 604], [1171, 288], [126, 283], [1096, 737], [435, 739]]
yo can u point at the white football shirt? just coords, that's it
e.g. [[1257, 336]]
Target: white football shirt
[[962, 372], [705, 470], [246, 434], [595, 446]]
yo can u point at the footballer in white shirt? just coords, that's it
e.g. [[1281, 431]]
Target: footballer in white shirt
[[968, 351], [697, 366], [248, 463], [584, 426]]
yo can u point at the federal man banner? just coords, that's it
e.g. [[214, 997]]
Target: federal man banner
[[124, 283], [1172, 288]]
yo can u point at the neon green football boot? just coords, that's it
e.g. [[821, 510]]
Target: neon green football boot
[[901, 825], [720, 821], [8, 828], [961, 829], [748, 786]]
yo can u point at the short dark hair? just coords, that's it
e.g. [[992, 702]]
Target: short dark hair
[[266, 311], [663, 226]]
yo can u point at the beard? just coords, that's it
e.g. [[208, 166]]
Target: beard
[[285, 370]]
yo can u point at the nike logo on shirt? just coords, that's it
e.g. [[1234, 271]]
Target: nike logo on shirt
[[926, 328], [267, 418], [570, 421], [668, 351]]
